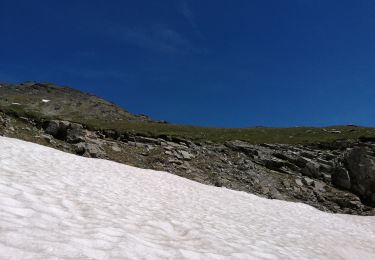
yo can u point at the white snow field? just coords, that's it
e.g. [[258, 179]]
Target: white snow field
[[55, 205]]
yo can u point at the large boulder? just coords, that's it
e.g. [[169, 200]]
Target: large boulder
[[360, 163], [65, 131], [356, 172], [57, 129], [89, 149], [75, 133]]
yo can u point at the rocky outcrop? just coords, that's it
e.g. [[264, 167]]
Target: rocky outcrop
[[65, 131], [356, 172], [333, 177]]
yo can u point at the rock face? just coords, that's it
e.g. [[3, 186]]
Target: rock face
[[341, 178], [334, 177], [356, 172], [65, 131]]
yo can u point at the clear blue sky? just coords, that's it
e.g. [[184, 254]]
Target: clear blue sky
[[203, 62]]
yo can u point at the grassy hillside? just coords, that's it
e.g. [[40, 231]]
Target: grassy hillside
[[60, 102], [98, 114]]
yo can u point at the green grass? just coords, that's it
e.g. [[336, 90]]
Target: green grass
[[18, 111]]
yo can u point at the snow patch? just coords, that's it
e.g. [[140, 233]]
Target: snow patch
[[45, 100], [58, 205]]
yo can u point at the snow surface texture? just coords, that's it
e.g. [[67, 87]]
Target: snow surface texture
[[55, 205]]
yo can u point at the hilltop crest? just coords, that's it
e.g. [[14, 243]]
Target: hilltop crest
[[50, 101]]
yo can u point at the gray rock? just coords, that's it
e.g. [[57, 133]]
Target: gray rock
[[242, 147], [80, 148], [309, 155], [274, 164], [132, 143], [286, 183], [169, 148], [186, 155], [116, 148], [275, 194], [46, 137], [75, 133], [311, 170], [53, 128], [307, 181], [341, 178], [147, 140], [360, 163], [178, 155], [93, 150], [168, 153], [176, 145], [175, 161], [325, 162], [319, 186], [65, 131], [301, 161], [299, 182]]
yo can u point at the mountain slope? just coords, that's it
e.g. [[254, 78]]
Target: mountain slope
[[54, 204], [332, 169], [50, 101], [47, 101]]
